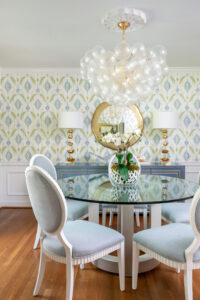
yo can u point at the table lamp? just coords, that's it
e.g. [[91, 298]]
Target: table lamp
[[165, 120], [70, 120]]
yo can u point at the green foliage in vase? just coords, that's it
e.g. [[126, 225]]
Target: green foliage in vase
[[125, 164]]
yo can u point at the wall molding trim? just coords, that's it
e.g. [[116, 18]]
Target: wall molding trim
[[66, 71], [75, 71]]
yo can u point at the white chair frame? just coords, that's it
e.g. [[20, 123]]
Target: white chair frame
[[31, 163], [188, 266], [69, 260]]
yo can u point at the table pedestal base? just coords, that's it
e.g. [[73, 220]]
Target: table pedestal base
[[109, 264], [125, 221]]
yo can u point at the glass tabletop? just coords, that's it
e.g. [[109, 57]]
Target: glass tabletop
[[149, 189]]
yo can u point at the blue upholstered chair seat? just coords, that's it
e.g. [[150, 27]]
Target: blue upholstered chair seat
[[170, 241], [86, 238], [76, 209], [176, 212]]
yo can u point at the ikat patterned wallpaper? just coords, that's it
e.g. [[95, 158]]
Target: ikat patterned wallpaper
[[30, 103]]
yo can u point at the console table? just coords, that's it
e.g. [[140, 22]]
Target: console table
[[175, 170], [78, 168]]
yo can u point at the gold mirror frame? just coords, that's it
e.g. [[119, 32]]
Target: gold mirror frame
[[95, 125]]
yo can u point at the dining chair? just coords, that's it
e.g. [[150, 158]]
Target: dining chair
[[69, 242], [176, 245], [112, 209], [76, 209], [177, 212]]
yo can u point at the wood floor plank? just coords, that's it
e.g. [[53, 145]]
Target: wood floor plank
[[19, 266]]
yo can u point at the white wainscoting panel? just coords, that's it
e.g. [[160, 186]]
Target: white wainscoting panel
[[16, 184], [13, 186], [13, 192]]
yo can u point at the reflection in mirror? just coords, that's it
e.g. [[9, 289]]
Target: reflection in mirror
[[113, 126]]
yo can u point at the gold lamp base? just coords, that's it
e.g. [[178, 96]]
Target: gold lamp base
[[165, 151], [70, 159], [164, 159]]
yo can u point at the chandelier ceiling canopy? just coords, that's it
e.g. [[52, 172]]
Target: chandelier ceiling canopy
[[129, 72]]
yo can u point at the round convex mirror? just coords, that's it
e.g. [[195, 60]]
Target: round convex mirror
[[114, 126]]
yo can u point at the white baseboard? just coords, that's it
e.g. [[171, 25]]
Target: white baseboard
[[16, 203]]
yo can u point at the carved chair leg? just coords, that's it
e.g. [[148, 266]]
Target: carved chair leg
[[145, 218], [69, 279], [82, 266], [41, 271], [135, 265], [188, 284], [137, 215], [121, 266], [111, 218], [104, 216], [37, 237]]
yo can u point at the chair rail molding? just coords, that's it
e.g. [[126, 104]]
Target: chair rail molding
[[13, 192]]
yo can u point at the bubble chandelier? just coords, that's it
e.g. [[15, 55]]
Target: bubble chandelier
[[130, 72]]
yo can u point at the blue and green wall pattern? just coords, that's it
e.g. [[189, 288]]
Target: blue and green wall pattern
[[30, 103]]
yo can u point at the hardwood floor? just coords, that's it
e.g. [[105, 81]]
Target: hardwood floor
[[19, 265]]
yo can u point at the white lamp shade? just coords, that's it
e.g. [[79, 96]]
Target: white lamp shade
[[165, 119], [70, 119]]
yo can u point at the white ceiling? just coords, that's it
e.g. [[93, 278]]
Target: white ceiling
[[57, 33]]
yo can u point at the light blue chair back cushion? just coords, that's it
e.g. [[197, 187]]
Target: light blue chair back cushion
[[44, 163], [44, 200]]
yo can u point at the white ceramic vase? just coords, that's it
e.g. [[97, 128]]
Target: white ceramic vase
[[115, 177]]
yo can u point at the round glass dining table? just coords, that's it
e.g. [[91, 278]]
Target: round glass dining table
[[152, 190]]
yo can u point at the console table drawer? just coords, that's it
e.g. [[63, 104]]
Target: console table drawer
[[172, 170], [79, 169]]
